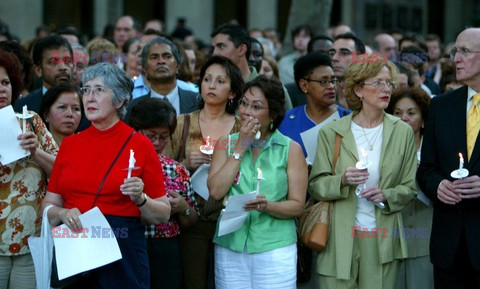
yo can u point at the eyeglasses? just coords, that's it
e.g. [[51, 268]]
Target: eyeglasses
[[153, 137], [324, 82], [464, 52], [86, 90], [379, 84], [255, 107], [341, 51]]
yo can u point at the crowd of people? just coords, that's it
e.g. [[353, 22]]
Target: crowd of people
[[247, 117]]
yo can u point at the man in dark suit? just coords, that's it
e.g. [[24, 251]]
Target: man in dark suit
[[455, 239], [52, 62], [160, 62]]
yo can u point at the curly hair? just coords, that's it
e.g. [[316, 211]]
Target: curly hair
[[418, 95], [357, 73], [14, 71]]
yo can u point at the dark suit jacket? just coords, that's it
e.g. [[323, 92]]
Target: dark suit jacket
[[445, 137], [296, 95], [33, 101], [188, 102]]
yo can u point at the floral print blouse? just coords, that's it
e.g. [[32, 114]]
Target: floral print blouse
[[177, 178], [23, 185]]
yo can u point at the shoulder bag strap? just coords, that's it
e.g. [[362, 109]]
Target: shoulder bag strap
[[110, 168], [186, 128], [336, 153]]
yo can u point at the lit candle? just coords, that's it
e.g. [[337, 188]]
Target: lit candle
[[460, 166], [208, 141], [131, 164], [365, 157], [25, 115], [259, 178]]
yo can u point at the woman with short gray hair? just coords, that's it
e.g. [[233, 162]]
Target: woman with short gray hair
[[90, 171]]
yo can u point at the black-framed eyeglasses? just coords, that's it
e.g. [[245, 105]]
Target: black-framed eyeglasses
[[379, 84], [464, 52], [324, 82]]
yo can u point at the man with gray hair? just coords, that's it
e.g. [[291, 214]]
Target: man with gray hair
[[161, 60]]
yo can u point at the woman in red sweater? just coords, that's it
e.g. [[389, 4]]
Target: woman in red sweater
[[81, 167]]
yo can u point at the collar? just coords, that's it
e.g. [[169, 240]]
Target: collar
[[471, 92]]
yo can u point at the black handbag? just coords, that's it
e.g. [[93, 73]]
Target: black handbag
[[84, 276]]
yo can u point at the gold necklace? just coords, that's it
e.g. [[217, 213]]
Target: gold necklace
[[375, 137]]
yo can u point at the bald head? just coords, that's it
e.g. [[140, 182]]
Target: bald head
[[467, 57], [385, 43], [124, 30]]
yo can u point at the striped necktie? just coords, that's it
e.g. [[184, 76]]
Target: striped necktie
[[473, 124]]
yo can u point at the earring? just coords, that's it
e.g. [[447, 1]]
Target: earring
[[229, 102], [271, 126]]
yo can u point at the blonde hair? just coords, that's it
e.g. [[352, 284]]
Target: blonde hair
[[358, 72], [102, 50]]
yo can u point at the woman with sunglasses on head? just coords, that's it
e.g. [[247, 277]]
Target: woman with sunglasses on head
[[262, 253], [220, 85], [373, 180], [314, 77]]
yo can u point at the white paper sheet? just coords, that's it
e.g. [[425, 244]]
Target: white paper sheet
[[234, 214], [199, 181], [94, 247], [10, 149], [309, 138]]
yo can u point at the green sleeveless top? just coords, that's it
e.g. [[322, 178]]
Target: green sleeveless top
[[262, 232]]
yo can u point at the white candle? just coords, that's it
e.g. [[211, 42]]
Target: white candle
[[131, 164], [259, 178], [460, 166], [365, 157], [25, 115]]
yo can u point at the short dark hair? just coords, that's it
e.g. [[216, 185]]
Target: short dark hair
[[273, 91], [69, 31], [48, 43], [161, 40], [417, 94], [236, 80], [315, 39], [359, 45], [52, 95], [307, 63], [151, 113], [304, 27], [127, 44], [236, 33], [13, 67]]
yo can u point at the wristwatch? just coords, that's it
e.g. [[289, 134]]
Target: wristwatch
[[187, 212], [237, 156]]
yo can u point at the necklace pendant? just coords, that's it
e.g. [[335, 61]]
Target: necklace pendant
[[371, 148]]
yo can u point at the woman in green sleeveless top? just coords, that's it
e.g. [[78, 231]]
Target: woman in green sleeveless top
[[262, 252]]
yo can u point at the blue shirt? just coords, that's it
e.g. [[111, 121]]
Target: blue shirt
[[141, 89], [297, 121]]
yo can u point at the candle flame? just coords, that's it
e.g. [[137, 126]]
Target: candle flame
[[364, 152], [460, 155]]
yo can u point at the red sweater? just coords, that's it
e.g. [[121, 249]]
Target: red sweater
[[84, 159]]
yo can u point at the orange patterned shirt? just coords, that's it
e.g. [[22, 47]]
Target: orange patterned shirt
[[22, 188]]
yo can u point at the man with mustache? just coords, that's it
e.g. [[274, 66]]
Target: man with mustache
[[161, 60], [52, 62]]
